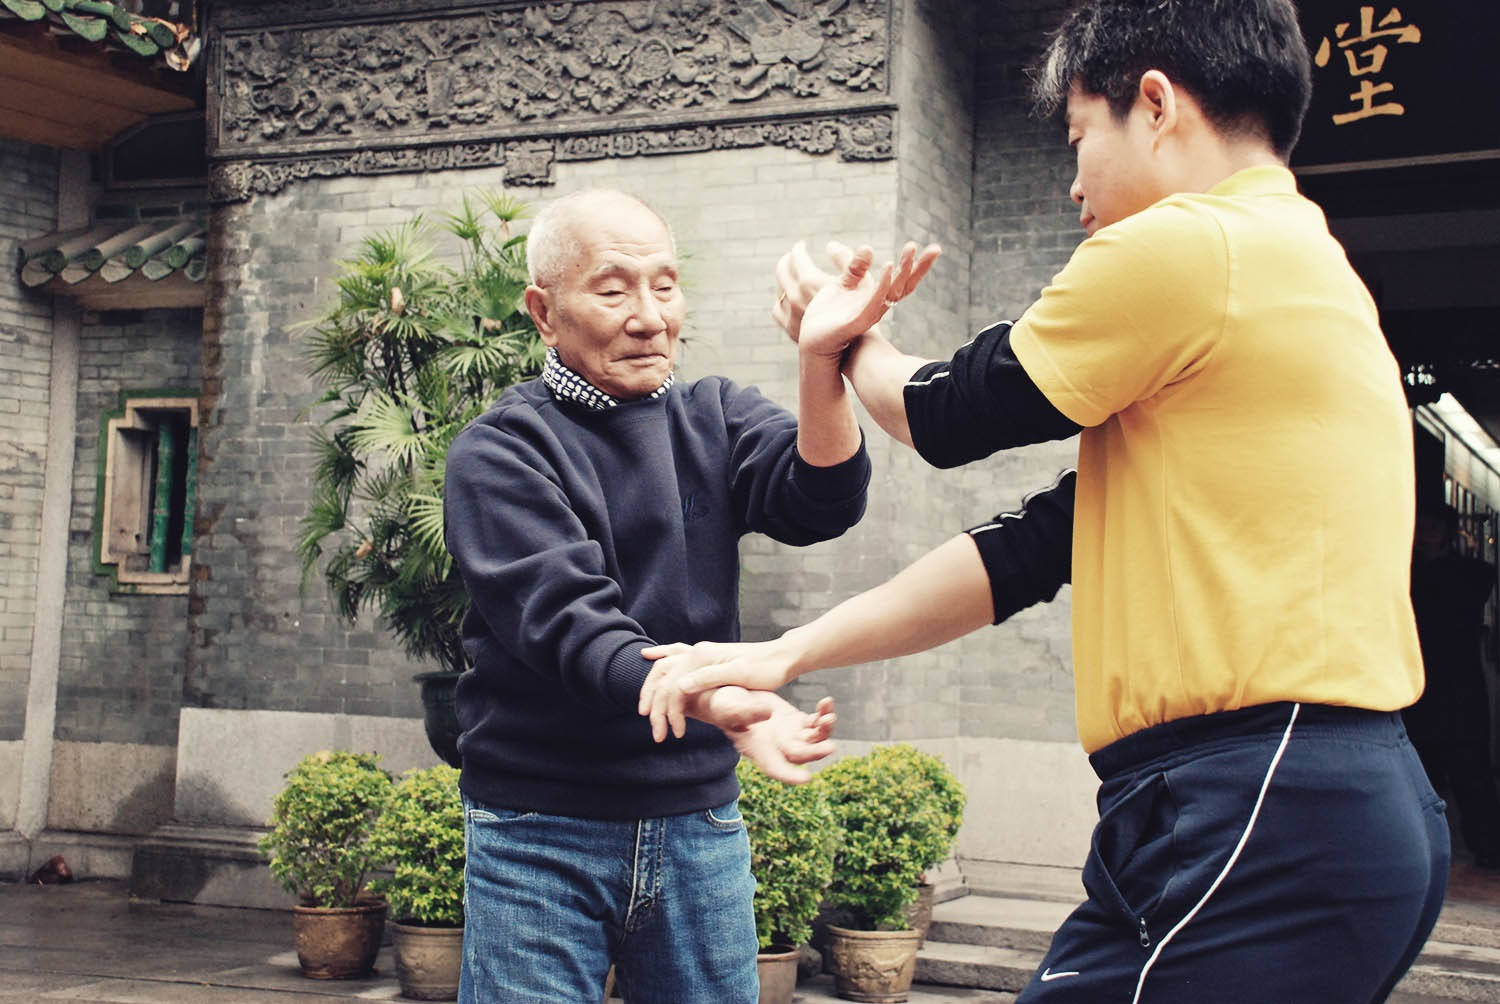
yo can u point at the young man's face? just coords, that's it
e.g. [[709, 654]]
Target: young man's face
[[1116, 163]]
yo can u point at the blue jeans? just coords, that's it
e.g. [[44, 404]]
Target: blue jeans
[[551, 901]]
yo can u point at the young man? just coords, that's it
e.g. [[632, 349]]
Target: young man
[[591, 511], [1240, 544]]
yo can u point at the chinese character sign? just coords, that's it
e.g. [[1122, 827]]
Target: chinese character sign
[[1397, 80], [1365, 55]]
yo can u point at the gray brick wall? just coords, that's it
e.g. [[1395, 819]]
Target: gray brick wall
[[121, 668], [974, 172], [28, 201], [256, 641]]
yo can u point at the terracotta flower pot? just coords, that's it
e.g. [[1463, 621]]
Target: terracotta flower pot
[[873, 965], [427, 960], [338, 943], [778, 974]]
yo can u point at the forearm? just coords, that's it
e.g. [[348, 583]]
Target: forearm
[[879, 372], [827, 430], [941, 596]]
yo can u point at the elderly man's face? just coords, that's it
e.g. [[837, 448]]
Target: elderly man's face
[[615, 311]]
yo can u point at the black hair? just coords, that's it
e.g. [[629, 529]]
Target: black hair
[[1244, 61]]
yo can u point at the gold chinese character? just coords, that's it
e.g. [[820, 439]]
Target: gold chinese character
[[1370, 61], [1366, 97]]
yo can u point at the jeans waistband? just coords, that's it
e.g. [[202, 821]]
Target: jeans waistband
[[1158, 741]]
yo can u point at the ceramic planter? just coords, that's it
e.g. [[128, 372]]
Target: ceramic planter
[[338, 943], [777, 967], [427, 960], [919, 913], [873, 965]]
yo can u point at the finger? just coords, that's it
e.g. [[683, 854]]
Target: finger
[[822, 729], [779, 768], [658, 719], [923, 263], [858, 267], [840, 253], [662, 651], [677, 713], [810, 752]]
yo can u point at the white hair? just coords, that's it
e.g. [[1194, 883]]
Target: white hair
[[552, 242]]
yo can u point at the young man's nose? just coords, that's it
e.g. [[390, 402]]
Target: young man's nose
[[1075, 191]]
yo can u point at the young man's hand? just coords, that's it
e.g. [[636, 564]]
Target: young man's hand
[[666, 699]]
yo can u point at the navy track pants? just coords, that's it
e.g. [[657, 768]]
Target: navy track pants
[[1281, 854]]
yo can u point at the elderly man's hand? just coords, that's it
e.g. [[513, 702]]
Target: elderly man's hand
[[799, 279], [780, 743], [851, 304]]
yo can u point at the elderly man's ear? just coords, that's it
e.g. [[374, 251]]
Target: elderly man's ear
[[539, 306]]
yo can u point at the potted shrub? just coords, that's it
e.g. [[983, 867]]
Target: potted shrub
[[421, 837], [941, 805], [882, 802], [411, 350], [320, 852], [793, 836]]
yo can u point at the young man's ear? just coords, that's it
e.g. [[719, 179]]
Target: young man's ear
[[1159, 98], [539, 306]]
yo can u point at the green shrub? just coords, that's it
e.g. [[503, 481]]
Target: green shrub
[[899, 810], [793, 836], [942, 806], [421, 835], [320, 826]]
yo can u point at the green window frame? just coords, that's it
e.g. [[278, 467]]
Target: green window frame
[[147, 491]]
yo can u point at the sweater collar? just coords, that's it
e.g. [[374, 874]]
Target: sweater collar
[[566, 384]]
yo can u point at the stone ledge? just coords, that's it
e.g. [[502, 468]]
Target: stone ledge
[[209, 865]]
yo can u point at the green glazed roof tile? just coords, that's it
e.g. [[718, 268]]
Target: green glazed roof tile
[[109, 25]]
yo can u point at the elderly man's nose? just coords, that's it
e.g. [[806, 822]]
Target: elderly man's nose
[[646, 318]]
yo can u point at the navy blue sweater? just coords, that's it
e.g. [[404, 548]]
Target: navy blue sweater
[[583, 537]]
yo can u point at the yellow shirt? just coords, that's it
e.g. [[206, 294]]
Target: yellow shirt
[[1243, 525]]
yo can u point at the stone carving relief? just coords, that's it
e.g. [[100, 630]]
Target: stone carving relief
[[542, 68], [529, 162]]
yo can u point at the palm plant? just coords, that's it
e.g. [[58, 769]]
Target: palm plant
[[411, 351]]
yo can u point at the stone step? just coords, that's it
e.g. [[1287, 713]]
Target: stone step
[[984, 967]]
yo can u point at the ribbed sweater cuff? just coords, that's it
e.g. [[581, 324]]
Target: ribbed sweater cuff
[[626, 674]]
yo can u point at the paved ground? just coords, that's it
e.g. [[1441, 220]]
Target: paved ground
[[86, 943]]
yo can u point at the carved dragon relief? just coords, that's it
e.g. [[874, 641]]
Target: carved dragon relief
[[524, 85]]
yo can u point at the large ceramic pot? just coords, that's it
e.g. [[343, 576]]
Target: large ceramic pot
[[778, 974], [439, 716], [873, 965], [919, 913], [427, 960], [338, 943]]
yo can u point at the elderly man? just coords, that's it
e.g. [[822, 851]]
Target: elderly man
[[593, 511]]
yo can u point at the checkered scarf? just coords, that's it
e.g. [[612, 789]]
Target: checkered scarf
[[567, 385]]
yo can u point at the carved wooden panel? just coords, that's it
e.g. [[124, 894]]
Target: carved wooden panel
[[405, 87]]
